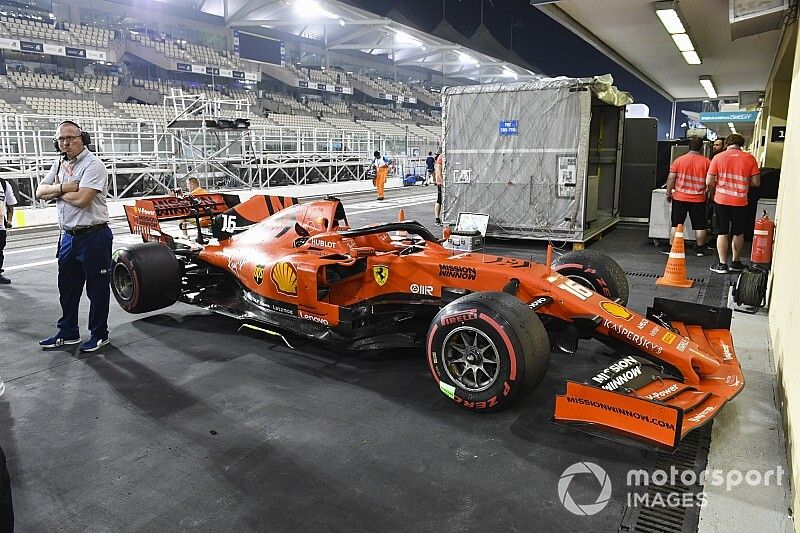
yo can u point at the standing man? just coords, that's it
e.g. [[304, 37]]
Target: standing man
[[193, 186], [717, 148], [7, 203], [730, 176], [78, 181], [382, 168], [438, 174], [430, 162], [686, 189]]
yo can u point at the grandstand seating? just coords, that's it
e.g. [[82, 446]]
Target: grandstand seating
[[89, 35], [338, 107], [430, 94], [383, 128], [298, 121], [240, 94], [288, 101], [210, 94], [6, 83], [151, 113], [383, 85], [71, 34], [16, 28], [5, 107], [416, 131], [98, 84], [27, 80], [435, 130], [375, 112], [190, 52], [66, 107], [320, 107], [345, 124], [161, 87]]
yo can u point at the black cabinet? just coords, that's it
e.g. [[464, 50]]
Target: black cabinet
[[638, 179]]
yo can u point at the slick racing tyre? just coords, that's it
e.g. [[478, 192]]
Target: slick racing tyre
[[145, 277], [596, 271], [487, 350]]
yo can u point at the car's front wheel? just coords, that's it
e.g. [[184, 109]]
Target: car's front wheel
[[487, 350]]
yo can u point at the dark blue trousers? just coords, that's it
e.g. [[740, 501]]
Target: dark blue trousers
[[85, 260]]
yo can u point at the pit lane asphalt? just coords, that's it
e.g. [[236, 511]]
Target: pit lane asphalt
[[181, 423]]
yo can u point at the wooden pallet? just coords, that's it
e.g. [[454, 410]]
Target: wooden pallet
[[595, 236]]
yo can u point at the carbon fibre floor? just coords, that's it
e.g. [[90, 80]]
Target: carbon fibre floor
[[181, 423]]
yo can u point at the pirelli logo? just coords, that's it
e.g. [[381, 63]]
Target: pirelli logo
[[462, 316]]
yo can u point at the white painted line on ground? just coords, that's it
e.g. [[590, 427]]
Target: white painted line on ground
[[34, 249], [31, 265], [380, 206]]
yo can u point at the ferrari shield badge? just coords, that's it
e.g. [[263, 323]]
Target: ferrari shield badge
[[381, 273]]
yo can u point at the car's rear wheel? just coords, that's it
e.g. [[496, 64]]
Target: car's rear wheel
[[145, 277], [596, 271], [487, 350]]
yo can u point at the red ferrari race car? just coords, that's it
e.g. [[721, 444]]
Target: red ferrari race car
[[488, 323]]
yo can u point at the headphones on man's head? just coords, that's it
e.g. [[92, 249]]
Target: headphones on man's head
[[84, 135]]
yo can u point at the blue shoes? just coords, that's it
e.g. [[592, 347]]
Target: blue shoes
[[94, 344], [57, 340]]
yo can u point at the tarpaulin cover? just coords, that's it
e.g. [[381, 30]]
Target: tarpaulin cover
[[519, 152]]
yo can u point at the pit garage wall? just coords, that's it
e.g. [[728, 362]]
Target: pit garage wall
[[784, 313]]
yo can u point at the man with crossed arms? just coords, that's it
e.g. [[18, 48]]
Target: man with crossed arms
[[78, 182]]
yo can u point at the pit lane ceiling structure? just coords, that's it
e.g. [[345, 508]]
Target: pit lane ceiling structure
[[343, 27], [629, 32]]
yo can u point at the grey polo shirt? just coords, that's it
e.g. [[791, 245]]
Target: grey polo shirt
[[90, 172]]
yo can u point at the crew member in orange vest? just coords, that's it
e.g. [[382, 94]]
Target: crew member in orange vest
[[730, 177], [382, 168], [686, 189]]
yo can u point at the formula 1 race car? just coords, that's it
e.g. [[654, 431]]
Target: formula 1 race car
[[488, 323]]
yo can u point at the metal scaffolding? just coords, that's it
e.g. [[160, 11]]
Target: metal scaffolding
[[146, 157]]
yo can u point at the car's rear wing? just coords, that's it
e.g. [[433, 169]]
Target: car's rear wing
[[229, 216], [146, 215]]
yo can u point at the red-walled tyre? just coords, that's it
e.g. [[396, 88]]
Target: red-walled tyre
[[487, 350], [596, 271], [145, 277]]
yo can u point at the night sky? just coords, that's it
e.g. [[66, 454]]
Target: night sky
[[538, 39]]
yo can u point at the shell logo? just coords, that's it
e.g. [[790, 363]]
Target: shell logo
[[616, 310], [284, 276]]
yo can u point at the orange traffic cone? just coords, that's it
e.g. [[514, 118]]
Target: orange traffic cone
[[401, 234], [675, 273]]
